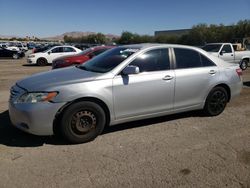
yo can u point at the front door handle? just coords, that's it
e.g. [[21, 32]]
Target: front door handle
[[212, 72], [168, 77]]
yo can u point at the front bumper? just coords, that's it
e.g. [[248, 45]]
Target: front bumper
[[34, 118], [31, 60]]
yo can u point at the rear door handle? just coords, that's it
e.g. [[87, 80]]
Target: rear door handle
[[168, 77], [212, 72]]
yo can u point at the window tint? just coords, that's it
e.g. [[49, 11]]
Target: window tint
[[186, 58], [68, 49], [154, 60], [226, 49], [206, 62], [57, 50]]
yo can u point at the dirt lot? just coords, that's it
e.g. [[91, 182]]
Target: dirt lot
[[184, 150]]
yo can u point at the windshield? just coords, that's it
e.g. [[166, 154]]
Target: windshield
[[108, 60], [212, 47]]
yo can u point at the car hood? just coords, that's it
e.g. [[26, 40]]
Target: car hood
[[46, 80]]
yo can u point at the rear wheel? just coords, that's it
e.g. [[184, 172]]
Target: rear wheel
[[15, 56], [244, 64], [216, 101], [41, 62], [82, 122]]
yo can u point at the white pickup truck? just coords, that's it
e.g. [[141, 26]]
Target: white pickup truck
[[228, 52]]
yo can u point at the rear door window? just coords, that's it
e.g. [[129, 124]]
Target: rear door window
[[188, 58], [68, 49], [57, 50]]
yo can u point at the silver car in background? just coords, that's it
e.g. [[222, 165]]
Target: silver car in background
[[124, 84]]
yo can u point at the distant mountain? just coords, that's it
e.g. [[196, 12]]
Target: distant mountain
[[77, 34], [8, 36]]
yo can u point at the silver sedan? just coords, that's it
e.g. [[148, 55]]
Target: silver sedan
[[124, 84]]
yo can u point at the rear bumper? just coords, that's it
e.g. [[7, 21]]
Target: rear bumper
[[236, 89]]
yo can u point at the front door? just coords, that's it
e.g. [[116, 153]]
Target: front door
[[151, 91], [226, 53]]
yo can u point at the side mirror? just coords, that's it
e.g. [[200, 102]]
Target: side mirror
[[131, 70], [49, 52], [222, 52]]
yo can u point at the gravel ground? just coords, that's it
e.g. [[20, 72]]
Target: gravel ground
[[183, 150]]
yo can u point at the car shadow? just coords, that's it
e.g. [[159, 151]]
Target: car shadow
[[247, 84], [13, 137], [34, 65], [152, 121]]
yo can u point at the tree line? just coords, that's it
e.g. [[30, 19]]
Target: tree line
[[98, 38], [198, 35]]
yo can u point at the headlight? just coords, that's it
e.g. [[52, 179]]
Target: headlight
[[36, 97], [31, 56]]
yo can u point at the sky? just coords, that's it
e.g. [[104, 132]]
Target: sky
[[44, 18]]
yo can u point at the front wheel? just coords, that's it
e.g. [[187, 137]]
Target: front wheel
[[216, 101], [244, 64], [82, 122]]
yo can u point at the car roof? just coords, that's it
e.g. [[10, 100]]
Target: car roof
[[218, 43], [151, 45]]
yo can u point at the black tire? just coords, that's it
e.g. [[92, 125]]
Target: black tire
[[216, 101], [82, 122], [244, 64], [15, 56], [42, 62]]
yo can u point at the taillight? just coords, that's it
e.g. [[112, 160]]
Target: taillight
[[239, 72]]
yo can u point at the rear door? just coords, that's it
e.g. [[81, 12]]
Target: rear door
[[195, 74], [68, 51], [54, 53], [150, 91]]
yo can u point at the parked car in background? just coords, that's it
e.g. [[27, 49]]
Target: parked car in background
[[82, 46], [79, 58], [31, 45], [228, 53], [11, 53], [9, 47], [42, 48], [46, 57], [22, 46], [124, 84]]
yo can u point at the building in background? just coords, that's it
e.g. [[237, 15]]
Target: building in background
[[178, 32]]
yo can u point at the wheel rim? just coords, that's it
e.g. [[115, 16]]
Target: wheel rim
[[243, 65], [42, 62], [83, 122], [15, 56], [217, 102]]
